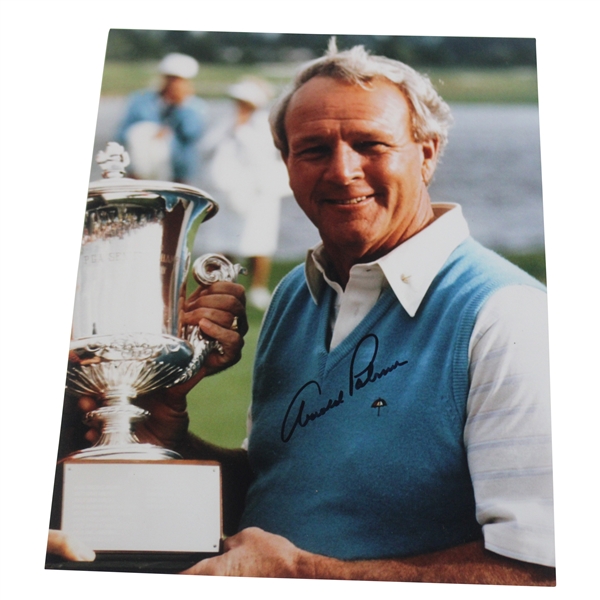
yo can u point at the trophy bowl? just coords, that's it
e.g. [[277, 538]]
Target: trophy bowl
[[134, 271]]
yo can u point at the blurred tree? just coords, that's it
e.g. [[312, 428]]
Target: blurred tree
[[134, 44], [250, 48]]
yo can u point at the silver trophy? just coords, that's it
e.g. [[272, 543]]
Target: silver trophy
[[127, 339]]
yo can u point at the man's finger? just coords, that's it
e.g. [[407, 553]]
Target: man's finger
[[208, 566], [61, 544], [87, 404]]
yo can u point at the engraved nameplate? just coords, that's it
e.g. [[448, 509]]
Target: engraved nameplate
[[143, 506]]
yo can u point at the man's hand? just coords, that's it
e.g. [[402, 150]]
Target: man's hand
[[63, 545], [255, 553], [220, 312]]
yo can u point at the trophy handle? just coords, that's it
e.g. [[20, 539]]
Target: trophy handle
[[210, 268], [207, 269]]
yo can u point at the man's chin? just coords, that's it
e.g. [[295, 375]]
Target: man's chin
[[356, 244]]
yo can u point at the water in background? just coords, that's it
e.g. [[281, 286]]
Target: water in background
[[491, 167]]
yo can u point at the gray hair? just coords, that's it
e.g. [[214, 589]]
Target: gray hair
[[431, 117]]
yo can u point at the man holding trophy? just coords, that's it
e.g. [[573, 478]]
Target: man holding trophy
[[220, 312], [400, 421], [139, 342]]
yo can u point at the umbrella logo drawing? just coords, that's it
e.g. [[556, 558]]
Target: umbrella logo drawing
[[378, 404]]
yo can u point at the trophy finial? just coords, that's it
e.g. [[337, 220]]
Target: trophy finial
[[113, 160]]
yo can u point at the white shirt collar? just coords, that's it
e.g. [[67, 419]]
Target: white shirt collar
[[411, 267]]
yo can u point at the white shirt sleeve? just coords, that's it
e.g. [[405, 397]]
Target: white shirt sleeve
[[507, 433]]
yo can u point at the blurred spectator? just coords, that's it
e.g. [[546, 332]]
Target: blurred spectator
[[248, 179], [161, 129]]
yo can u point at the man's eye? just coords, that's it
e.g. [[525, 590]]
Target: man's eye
[[314, 151], [370, 145]]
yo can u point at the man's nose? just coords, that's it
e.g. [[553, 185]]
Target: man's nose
[[344, 166]]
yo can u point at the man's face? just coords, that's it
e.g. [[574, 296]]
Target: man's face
[[354, 167], [176, 89]]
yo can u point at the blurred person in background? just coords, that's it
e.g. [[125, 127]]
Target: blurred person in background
[[245, 173], [161, 128]]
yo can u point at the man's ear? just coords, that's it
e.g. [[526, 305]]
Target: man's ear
[[430, 151]]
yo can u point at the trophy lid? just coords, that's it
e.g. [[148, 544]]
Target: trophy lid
[[114, 185]]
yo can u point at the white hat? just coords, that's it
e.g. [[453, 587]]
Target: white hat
[[179, 65], [250, 91]]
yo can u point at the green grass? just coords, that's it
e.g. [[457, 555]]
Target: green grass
[[533, 262], [499, 86], [516, 85], [212, 82], [218, 404]]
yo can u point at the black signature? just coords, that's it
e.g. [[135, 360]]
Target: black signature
[[359, 378]]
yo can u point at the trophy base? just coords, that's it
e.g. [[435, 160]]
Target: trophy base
[[125, 452], [132, 562]]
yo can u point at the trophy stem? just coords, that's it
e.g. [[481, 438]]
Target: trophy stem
[[117, 440], [118, 417]]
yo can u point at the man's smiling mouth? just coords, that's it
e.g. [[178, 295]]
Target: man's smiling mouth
[[349, 201]]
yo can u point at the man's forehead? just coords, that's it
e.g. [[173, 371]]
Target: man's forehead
[[324, 99], [322, 86]]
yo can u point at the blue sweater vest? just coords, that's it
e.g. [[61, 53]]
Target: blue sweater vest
[[358, 453]]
